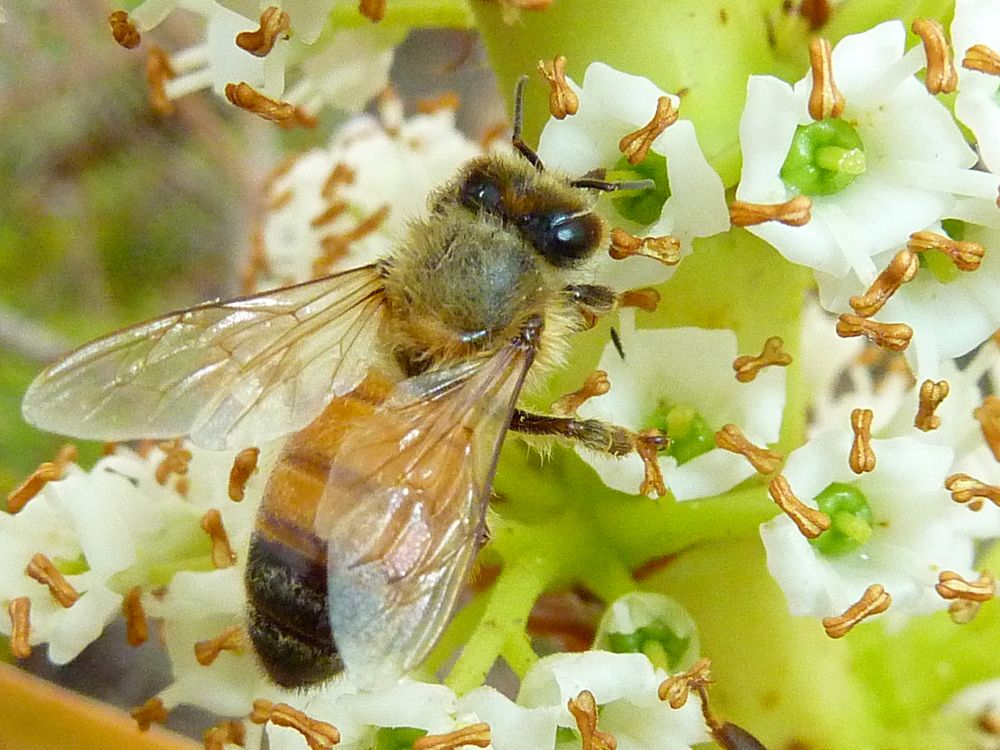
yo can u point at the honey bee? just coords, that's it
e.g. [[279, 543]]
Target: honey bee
[[396, 382]]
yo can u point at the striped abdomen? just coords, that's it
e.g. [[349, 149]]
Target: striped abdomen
[[286, 575]]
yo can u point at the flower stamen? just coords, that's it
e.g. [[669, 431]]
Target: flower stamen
[[901, 269], [244, 465], [931, 396], [19, 611], [230, 732], [892, 336], [158, 72], [584, 710], [646, 299], [747, 366], [648, 444], [825, 99], [988, 416], [41, 569], [862, 458], [794, 212], [967, 256], [636, 145], [330, 214], [942, 77], [563, 100], [449, 100], [230, 639], [951, 585], [176, 460], [273, 23], [962, 611], [983, 59], [666, 249], [336, 246], [675, 689], [136, 624], [123, 30], [245, 96], [373, 10], [149, 712], [968, 489], [341, 174], [731, 438], [815, 12], [874, 601], [596, 384], [476, 735], [810, 522], [222, 552], [318, 734], [49, 471]]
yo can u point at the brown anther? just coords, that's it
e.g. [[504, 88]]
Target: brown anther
[[109, 448], [794, 212], [646, 299], [902, 268], [988, 416], [66, 455], [158, 72], [245, 96], [563, 100], [931, 396], [816, 13], [279, 200], [967, 489], [862, 458], [596, 384], [230, 732], [30, 487], [649, 443], [825, 99], [951, 585], [176, 459], [341, 174], [892, 336], [498, 131], [123, 30], [222, 552], [274, 22], [144, 447], [982, 58], [942, 78], [675, 689], [636, 145], [335, 246], [318, 734], [373, 10], [475, 735], [874, 601], [182, 485], [764, 461], [257, 262], [429, 105], [989, 722], [136, 624], [666, 249], [810, 522], [584, 710], [962, 611], [19, 611], [299, 119], [330, 214], [41, 569], [967, 256], [230, 639], [150, 712], [748, 366], [244, 465]]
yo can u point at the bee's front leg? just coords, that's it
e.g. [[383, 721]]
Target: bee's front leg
[[593, 301]]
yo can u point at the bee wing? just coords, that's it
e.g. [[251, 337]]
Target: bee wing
[[228, 374], [404, 507]]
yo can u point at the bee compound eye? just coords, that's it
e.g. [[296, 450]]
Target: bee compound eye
[[563, 237], [481, 191]]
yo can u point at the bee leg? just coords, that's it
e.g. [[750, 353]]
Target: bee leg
[[594, 301], [602, 437]]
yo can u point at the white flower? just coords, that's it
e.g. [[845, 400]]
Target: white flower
[[916, 162], [613, 104], [916, 530], [512, 727], [394, 168], [625, 689], [978, 22], [688, 369], [652, 624]]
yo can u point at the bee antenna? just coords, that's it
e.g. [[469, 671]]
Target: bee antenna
[[526, 151], [610, 187]]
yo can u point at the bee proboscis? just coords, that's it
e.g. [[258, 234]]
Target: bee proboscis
[[396, 382]]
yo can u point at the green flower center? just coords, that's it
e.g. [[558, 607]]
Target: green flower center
[[851, 519], [661, 645], [825, 157], [641, 206], [690, 435], [939, 264], [397, 738]]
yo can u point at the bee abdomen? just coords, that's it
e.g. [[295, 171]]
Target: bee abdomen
[[288, 621]]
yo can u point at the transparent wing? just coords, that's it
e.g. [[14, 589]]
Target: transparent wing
[[404, 506], [228, 374]]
